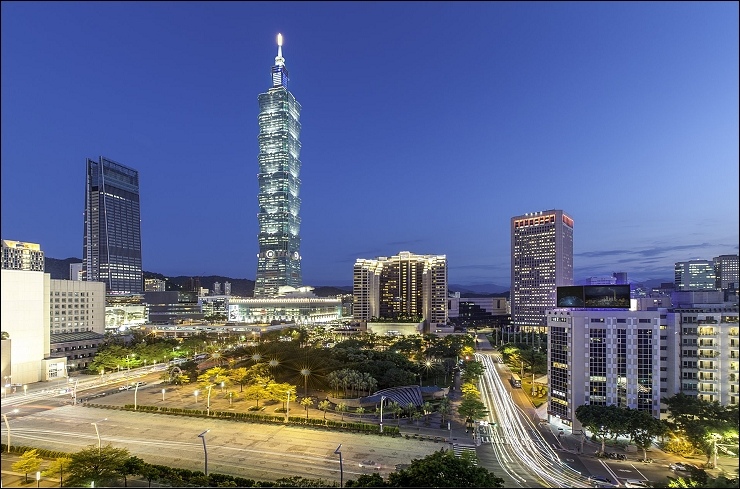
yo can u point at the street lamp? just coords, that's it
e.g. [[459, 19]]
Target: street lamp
[[25, 389], [208, 407], [97, 432], [136, 391], [163, 395], [287, 407], [222, 386], [230, 394], [196, 395], [382, 400], [202, 436], [305, 372], [7, 425], [38, 479], [341, 466]]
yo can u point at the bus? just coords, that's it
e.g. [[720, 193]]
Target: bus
[[515, 380]]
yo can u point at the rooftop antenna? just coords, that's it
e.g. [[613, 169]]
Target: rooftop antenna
[[279, 60]]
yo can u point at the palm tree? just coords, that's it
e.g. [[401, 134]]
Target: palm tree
[[416, 416], [411, 408], [396, 409], [371, 383], [342, 407], [324, 406], [306, 402], [444, 408], [428, 409], [360, 410]]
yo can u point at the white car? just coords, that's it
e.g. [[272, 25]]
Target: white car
[[370, 463], [124, 387], [635, 483]]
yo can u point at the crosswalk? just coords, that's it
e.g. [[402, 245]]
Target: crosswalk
[[460, 449]]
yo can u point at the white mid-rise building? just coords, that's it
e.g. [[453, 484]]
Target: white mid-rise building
[[76, 306], [604, 357]]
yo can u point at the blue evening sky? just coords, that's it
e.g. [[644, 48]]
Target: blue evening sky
[[426, 127]]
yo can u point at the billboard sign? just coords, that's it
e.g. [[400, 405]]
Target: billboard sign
[[594, 296]]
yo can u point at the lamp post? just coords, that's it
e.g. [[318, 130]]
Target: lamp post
[[305, 372], [163, 395], [222, 386], [202, 436], [230, 393], [382, 400], [196, 395], [208, 407], [25, 389], [38, 479], [287, 407], [7, 426], [97, 432], [136, 391], [341, 466]]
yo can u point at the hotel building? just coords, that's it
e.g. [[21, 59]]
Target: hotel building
[[541, 260], [694, 275], [279, 259], [403, 286], [112, 236]]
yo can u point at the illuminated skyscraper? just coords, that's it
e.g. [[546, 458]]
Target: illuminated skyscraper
[[541, 261], [279, 259], [111, 251]]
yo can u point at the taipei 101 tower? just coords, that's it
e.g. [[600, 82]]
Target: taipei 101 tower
[[279, 258]]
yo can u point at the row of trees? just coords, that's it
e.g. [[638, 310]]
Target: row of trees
[[109, 464], [702, 424]]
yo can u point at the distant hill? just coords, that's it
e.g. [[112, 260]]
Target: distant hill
[[479, 289], [59, 270]]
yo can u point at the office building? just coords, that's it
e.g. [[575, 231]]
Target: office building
[[694, 275], [75, 271], [227, 288], [604, 357], [621, 278], [601, 281], [541, 261], [216, 288], [726, 272], [401, 287], [18, 255], [112, 236], [154, 285], [173, 307], [76, 306], [279, 259]]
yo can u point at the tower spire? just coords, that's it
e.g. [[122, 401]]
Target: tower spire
[[279, 60]]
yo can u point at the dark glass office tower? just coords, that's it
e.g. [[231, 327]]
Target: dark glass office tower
[[279, 259], [112, 239]]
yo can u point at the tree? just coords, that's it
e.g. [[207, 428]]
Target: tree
[[30, 461], [472, 408], [306, 402], [603, 420], [367, 480], [427, 407], [60, 465], [341, 408], [324, 406], [90, 465], [643, 428], [443, 469], [444, 408], [132, 466]]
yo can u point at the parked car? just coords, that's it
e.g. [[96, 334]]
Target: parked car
[[138, 384], [371, 464], [682, 467], [124, 387]]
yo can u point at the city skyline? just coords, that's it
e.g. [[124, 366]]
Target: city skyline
[[460, 115]]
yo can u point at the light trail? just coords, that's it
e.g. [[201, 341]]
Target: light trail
[[521, 449]]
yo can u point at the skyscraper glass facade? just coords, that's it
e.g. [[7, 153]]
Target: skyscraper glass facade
[[279, 259], [112, 237]]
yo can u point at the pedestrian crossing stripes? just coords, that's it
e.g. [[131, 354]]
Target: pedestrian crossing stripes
[[460, 449]]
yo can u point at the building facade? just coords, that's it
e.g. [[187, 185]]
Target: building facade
[[710, 352], [726, 272], [279, 259], [694, 275], [112, 233], [18, 255], [605, 357], [76, 307], [154, 285], [405, 286], [541, 261]]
